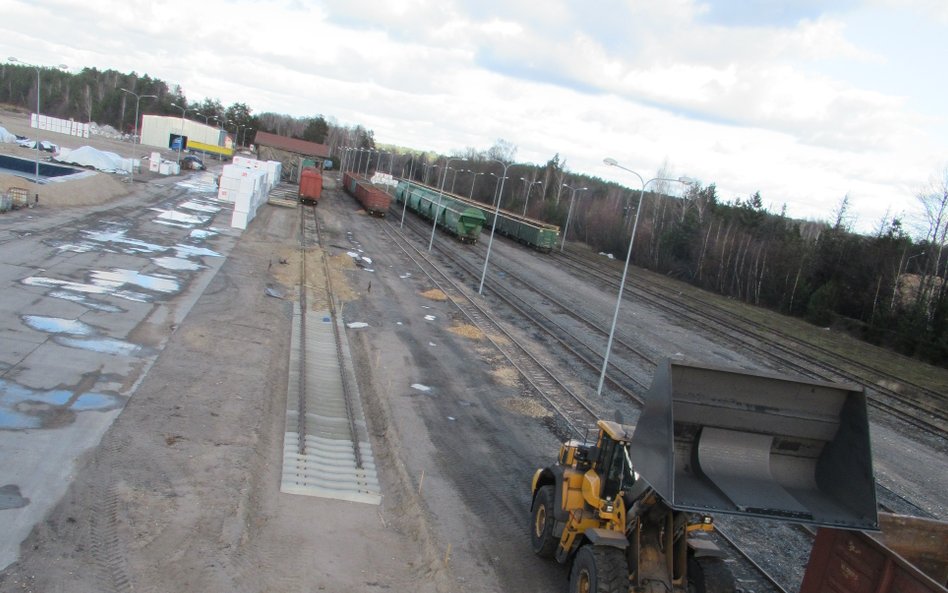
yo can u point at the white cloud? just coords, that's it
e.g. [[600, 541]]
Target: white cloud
[[751, 106]]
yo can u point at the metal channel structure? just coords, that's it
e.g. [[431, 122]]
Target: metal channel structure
[[326, 448]]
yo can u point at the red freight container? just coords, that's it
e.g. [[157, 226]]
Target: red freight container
[[909, 556], [311, 185], [374, 200]]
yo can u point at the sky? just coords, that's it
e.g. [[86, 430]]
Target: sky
[[805, 101]]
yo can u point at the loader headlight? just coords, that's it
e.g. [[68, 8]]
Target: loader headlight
[[609, 507]]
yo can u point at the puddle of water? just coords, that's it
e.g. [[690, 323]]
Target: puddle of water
[[64, 284], [131, 295], [200, 207], [56, 325], [22, 407], [177, 225], [87, 302], [420, 387], [192, 251], [176, 263], [430, 317], [204, 183], [357, 324], [100, 345], [119, 277], [118, 236], [11, 497], [181, 217]]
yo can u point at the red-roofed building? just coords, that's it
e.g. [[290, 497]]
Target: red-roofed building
[[289, 151]]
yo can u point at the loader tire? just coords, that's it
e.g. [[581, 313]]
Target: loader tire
[[541, 532], [709, 575], [599, 569]]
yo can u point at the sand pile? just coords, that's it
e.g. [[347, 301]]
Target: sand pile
[[94, 189]]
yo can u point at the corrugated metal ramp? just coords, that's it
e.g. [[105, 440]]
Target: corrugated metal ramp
[[326, 461]]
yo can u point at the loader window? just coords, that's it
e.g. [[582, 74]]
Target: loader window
[[612, 465]]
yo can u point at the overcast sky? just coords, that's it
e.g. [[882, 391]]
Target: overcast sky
[[805, 101]]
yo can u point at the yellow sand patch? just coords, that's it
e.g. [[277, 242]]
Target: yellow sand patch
[[506, 376], [527, 407], [435, 294], [468, 331]]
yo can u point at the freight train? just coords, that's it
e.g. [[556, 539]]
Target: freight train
[[453, 215], [529, 231], [375, 200]]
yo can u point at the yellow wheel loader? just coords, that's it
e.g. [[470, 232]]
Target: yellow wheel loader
[[631, 509]]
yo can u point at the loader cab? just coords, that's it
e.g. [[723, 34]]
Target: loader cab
[[612, 459]]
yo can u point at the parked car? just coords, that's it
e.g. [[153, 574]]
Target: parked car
[[192, 162]]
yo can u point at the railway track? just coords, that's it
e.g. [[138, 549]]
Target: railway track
[[576, 343], [326, 450], [577, 413], [750, 573], [925, 411]]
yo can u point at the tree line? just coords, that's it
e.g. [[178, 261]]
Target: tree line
[[885, 287], [93, 95]]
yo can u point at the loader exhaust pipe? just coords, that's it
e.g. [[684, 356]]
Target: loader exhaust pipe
[[721, 440]]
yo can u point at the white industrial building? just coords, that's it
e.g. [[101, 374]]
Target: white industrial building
[[162, 131]]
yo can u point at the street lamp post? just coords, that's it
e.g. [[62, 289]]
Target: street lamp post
[[220, 128], [529, 189], [628, 257], [368, 159], [136, 140], [493, 226], [570, 211], [138, 98], [444, 178], [181, 136], [37, 141], [411, 171], [473, 181]]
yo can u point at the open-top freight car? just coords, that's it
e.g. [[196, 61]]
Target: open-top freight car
[[453, 215], [529, 231], [311, 185], [375, 200]]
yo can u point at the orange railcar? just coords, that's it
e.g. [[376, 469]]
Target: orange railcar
[[311, 185]]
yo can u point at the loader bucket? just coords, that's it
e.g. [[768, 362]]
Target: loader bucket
[[722, 440]]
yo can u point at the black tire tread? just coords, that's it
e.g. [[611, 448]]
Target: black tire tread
[[714, 575], [609, 567], [545, 546]]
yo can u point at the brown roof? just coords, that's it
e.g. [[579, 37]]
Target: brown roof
[[291, 144]]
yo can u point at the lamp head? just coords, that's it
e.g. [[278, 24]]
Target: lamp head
[[687, 180], [610, 161]]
